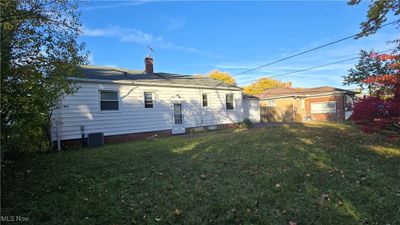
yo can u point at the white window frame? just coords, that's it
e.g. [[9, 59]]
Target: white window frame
[[273, 102], [152, 99], [100, 100], [202, 100], [323, 108], [233, 101]]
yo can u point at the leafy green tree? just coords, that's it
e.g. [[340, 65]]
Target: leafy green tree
[[368, 66], [39, 50], [377, 14]]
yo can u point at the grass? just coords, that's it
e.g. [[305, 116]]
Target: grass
[[313, 173]]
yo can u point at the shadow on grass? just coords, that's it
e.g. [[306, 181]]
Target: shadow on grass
[[309, 173]]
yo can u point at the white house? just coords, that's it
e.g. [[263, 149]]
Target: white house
[[125, 104]]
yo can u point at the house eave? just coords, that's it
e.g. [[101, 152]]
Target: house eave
[[143, 83]]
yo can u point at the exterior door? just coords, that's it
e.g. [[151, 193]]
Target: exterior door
[[178, 126]]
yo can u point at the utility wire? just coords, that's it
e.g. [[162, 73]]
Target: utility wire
[[315, 67], [310, 50]]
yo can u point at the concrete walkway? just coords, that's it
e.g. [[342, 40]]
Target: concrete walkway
[[253, 126], [267, 124]]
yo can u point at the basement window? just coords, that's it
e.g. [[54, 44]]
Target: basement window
[[148, 100], [109, 100]]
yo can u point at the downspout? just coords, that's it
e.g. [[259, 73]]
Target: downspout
[[57, 130], [58, 139]]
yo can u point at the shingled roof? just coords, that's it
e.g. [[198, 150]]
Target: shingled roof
[[288, 92], [137, 76]]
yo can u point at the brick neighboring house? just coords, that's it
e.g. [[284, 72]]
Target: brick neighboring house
[[305, 104]]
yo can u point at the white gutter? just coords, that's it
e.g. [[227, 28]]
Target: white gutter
[[143, 83]]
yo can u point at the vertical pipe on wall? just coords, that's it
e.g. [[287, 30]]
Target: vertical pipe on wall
[[57, 132]]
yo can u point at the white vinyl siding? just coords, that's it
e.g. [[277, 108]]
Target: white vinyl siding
[[83, 109], [251, 109], [323, 107]]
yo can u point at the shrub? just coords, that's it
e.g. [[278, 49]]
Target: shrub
[[246, 123], [381, 111]]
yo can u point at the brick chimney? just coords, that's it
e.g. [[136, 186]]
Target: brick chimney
[[148, 65]]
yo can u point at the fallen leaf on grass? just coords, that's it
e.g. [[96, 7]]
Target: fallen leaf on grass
[[177, 212]]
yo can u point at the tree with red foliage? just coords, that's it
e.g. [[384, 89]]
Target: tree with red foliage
[[382, 109]]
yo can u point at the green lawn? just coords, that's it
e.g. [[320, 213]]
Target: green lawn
[[315, 173]]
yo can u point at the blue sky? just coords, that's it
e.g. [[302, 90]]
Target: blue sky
[[196, 37]]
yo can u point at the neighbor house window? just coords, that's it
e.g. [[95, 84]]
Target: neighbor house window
[[348, 104], [323, 107], [302, 103], [271, 103], [148, 100], [229, 101], [205, 100], [109, 100]]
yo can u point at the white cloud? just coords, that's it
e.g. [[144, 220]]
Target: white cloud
[[140, 37], [90, 58], [99, 5], [175, 23], [94, 32]]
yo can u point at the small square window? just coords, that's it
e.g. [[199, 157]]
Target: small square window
[[271, 102], [148, 100], [109, 100], [229, 101], [205, 100]]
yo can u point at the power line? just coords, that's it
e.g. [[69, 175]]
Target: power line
[[315, 67], [310, 50], [302, 70]]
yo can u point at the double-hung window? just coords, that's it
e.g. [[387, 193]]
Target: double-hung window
[[109, 100], [229, 101], [205, 100], [148, 99]]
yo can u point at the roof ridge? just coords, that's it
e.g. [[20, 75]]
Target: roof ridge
[[111, 68]]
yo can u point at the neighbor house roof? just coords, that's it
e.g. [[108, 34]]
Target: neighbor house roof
[[110, 74], [246, 96], [301, 92]]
